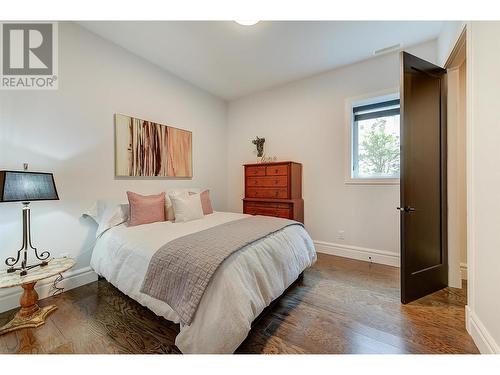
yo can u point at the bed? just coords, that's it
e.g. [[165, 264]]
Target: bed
[[240, 289]]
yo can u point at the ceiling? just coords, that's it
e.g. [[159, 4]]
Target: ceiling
[[230, 60]]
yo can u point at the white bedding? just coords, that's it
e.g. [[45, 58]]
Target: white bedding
[[241, 288]]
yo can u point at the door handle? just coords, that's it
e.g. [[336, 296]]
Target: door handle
[[406, 209]]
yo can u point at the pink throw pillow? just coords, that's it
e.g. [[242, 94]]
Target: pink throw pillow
[[145, 209], [206, 203]]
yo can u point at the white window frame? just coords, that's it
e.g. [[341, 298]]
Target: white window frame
[[350, 103]]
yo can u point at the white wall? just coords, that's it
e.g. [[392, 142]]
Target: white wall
[[70, 132], [304, 121], [483, 182]]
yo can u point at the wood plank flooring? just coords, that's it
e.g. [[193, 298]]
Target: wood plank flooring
[[340, 306]]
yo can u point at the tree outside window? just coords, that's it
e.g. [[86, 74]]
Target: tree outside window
[[379, 147], [376, 141]]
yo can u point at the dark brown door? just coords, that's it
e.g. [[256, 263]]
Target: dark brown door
[[424, 257]]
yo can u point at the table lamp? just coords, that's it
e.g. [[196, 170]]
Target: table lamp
[[26, 187]]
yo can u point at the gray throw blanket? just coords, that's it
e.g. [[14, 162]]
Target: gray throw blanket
[[180, 271]]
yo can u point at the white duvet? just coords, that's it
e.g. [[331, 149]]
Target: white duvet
[[246, 282]]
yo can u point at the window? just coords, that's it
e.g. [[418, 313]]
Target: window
[[375, 141]]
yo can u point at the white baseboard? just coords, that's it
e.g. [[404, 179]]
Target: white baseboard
[[463, 271], [72, 279], [359, 253], [482, 338]]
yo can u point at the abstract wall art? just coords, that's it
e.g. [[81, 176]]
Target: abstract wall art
[[148, 149]]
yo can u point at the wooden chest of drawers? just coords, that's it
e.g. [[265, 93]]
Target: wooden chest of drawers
[[274, 189]]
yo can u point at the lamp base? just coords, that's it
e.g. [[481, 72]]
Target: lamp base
[[11, 261], [24, 271]]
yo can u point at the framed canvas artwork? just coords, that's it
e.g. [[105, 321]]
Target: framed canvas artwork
[[148, 149]]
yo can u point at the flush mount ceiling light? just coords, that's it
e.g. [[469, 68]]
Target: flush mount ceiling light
[[247, 22]]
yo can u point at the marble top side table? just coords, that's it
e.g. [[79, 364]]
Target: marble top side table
[[31, 315]]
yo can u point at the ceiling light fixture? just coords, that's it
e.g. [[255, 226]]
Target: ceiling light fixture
[[247, 22]]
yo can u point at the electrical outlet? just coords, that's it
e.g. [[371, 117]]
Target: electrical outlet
[[341, 235]]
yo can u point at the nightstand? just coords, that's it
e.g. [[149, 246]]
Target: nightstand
[[31, 315]]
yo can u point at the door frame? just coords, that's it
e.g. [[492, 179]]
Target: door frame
[[466, 35], [454, 62]]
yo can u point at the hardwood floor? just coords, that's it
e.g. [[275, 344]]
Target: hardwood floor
[[340, 306]]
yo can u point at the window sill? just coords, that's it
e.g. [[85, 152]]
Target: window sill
[[370, 181]]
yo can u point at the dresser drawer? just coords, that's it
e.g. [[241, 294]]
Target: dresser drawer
[[281, 193], [278, 181], [285, 213], [255, 171], [267, 204], [277, 170]]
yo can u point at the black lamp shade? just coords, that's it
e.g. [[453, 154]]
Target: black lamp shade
[[21, 186]]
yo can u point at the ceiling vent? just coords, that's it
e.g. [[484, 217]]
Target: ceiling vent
[[392, 48]]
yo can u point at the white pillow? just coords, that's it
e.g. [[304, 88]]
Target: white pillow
[[187, 208], [168, 202], [93, 212], [107, 214], [181, 192]]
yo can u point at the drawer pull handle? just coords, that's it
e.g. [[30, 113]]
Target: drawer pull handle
[[276, 171], [276, 194]]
